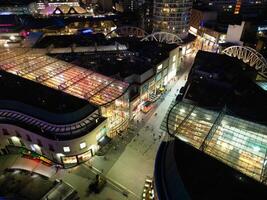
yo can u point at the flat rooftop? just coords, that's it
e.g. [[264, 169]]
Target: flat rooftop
[[71, 79], [139, 58], [19, 184], [221, 82], [61, 41], [187, 180]]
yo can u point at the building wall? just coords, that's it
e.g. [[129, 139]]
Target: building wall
[[164, 73], [52, 149], [198, 17], [234, 33], [126, 5]]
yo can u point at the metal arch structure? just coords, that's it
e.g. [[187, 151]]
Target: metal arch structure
[[163, 37], [249, 56], [128, 31]]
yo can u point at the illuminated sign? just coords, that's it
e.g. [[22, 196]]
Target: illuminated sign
[[34, 155], [87, 31], [262, 28]]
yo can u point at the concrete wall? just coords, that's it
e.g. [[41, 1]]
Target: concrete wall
[[234, 33]]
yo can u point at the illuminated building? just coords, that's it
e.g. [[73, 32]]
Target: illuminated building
[[244, 7], [68, 128], [149, 73], [237, 7], [219, 122], [172, 16], [126, 5]]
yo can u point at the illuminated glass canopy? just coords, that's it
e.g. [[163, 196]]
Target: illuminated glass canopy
[[238, 143], [57, 74]]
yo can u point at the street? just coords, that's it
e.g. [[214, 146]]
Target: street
[[136, 160]]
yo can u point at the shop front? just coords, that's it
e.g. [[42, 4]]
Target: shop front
[[72, 161], [117, 114], [135, 107]]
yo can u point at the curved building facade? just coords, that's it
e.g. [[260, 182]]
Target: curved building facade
[[172, 16], [55, 111]]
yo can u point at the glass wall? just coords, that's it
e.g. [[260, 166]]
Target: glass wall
[[117, 114], [238, 143]]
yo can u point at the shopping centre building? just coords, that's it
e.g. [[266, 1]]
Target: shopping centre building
[[219, 124], [149, 73], [59, 111]]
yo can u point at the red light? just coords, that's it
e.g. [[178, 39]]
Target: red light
[[3, 25]]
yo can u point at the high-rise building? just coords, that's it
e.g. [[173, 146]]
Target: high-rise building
[[126, 5], [244, 7], [172, 16], [146, 13]]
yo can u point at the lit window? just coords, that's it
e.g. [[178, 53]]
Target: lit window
[[66, 149], [174, 58], [159, 67], [83, 145]]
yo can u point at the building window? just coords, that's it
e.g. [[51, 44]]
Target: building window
[[51, 148], [174, 58], [39, 143], [10, 141], [5, 131], [66, 149], [82, 145], [159, 67], [28, 138], [22, 143], [18, 134]]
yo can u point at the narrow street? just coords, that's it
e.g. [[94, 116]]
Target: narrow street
[[136, 160]]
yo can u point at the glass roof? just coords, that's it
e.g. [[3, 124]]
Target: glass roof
[[263, 85], [239, 143], [57, 74]]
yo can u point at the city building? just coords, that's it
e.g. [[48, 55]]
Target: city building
[[146, 12], [149, 73], [215, 32], [243, 7], [69, 130], [12, 32], [219, 122], [126, 5], [172, 16]]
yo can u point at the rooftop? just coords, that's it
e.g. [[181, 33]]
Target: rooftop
[[59, 75], [177, 176], [40, 101], [229, 84], [19, 184], [139, 58], [239, 143], [223, 114], [59, 41]]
